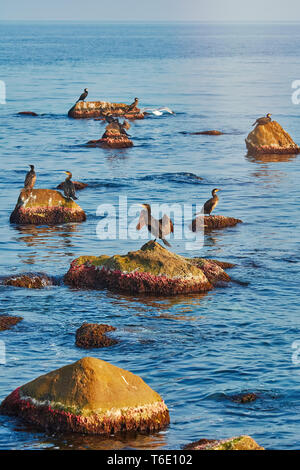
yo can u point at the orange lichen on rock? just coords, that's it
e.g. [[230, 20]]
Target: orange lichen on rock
[[271, 138], [235, 443], [7, 322], [213, 222], [92, 335], [89, 396], [153, 270], [88, 109], [45, 207]]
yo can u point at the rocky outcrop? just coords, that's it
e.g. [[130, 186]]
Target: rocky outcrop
[[270, 138], [113, 137], [7, 322], [213, 222], [152, 270], [89, 109], [92, 335], [89, 396], [29, 280], [27, 113], [78, 185], [45, 207], [235, 443]]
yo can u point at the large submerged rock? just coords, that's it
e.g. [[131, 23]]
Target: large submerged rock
[[153, 270], [89, 396], [234, 443], [45, 207], [270, 138], [213, 222], [88, 109]]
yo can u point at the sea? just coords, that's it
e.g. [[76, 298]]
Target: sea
[[196, 351]]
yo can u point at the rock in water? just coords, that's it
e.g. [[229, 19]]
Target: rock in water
[[92, 335], [89, 396], [7, 322], [45, 207], [213, 222], [235, 443], [88, 109], [271, 138], [153, 270], [112, 138], [29, 280], [208, 133]]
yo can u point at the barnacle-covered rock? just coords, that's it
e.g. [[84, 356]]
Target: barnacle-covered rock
[[88, 109], [270, 138], [89, 396], [234, 443], [45, 207], [213, 222], [92, 335], [153, 270]]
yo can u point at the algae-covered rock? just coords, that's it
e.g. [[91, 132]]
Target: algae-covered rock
[[153, 269], [88, 109], [45, 207], [7, 322], [92, 335], [89, 396], [271, 138], [28, 280], [213, 222], [235, 443]]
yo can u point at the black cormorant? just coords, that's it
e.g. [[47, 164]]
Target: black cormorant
[[132, 106], [159, 228], [30, 178], [263, 120], [68, 187], [83, 96], [210, 205]]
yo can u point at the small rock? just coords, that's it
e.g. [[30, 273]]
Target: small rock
[[29, 280], [27, 113], [92, 335], [208, 133], [244, 397], [7, 322], [234, 443], [270, 138], [213, 222]]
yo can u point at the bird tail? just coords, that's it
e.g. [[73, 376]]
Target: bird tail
[[166, 242]]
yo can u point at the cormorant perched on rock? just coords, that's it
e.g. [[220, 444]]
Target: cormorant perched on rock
[[210, 205], [263, 120], [68, 187], [132, 106], [83, 96], [30, 178], [159, 228], [115, 124]]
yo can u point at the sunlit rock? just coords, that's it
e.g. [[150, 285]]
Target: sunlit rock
[[88, 109], [270, 138], [92, 335], [235, 443]]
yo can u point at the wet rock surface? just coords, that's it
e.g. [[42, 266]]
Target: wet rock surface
[[153, 270], [89, 396], [235, 443], [89, 109], [92, 335], [29, 280], [208, 133], [45, 207], [270, 138], [244, 397], [27, 113], [7, 322], [213, 222]]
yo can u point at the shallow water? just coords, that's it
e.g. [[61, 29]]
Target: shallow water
[[196, 351]]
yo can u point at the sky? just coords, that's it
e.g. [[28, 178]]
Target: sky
[[151, 10]]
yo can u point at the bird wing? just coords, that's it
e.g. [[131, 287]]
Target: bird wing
[[166, 225], [207, 206], [142, 220], [27, 179]]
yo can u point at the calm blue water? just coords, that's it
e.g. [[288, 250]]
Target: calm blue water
[[194, 350]]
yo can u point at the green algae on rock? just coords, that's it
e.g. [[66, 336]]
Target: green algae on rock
[[45, 207], [234, 443], [152, 270], [89, 396], [89, 109], [270, 138]]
